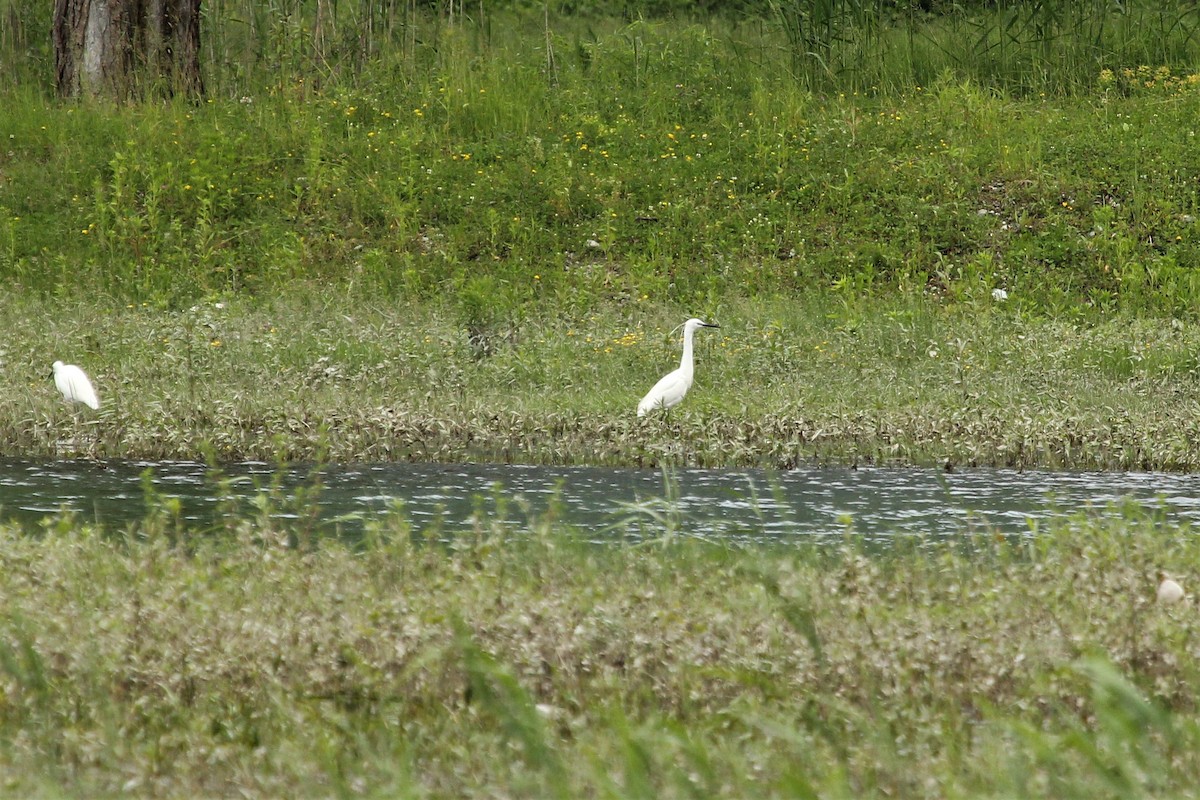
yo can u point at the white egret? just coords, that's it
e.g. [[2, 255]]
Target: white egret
[[674, 385], [74, 385], [1169, 592]]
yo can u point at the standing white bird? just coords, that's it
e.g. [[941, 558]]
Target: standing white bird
[[674, 385], [74, 385]]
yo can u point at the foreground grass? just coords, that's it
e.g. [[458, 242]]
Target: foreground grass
[[518, 662], [818, 380]]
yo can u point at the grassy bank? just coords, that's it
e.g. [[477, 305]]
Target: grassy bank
[[784, 383], [470, 261], [661, 162], [519, 662], [466, 250]]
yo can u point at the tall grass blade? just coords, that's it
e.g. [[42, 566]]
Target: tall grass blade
[[499, 692]]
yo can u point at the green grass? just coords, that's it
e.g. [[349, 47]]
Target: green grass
[[473, 261], [661, 160], [518, 661], [897, 381], [1048, 46], [472, 241]]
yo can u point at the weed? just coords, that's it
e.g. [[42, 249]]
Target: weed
[[1040, 667], [828, 379]]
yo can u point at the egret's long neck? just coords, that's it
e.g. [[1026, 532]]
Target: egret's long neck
[[685, 363]]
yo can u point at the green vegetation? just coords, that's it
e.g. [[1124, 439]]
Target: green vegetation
[[816, 380], [519, 662], [676, 162], [819, 45], [411, 233], [462, 249]]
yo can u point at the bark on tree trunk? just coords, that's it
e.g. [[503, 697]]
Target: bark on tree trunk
[[122, 48]]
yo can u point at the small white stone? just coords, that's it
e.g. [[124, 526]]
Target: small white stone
[[999, 295], [1169, 592]]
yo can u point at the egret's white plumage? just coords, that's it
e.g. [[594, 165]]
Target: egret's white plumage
[[674, 385], [74, 385]]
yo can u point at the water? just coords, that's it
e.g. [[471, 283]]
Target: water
[[877, 504]]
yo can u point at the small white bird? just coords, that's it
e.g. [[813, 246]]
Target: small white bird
[[674, 385], [1169, 592], [74, 385]]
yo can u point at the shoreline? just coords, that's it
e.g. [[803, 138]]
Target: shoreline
[[781, 386], [689, 440]]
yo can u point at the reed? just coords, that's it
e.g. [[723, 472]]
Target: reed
[[824, 45]]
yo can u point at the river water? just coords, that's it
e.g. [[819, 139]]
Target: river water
[[877, 504]]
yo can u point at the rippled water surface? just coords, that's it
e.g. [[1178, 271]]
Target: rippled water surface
[[877, 503]]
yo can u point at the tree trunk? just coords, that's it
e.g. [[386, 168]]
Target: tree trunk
[[125, 48]]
